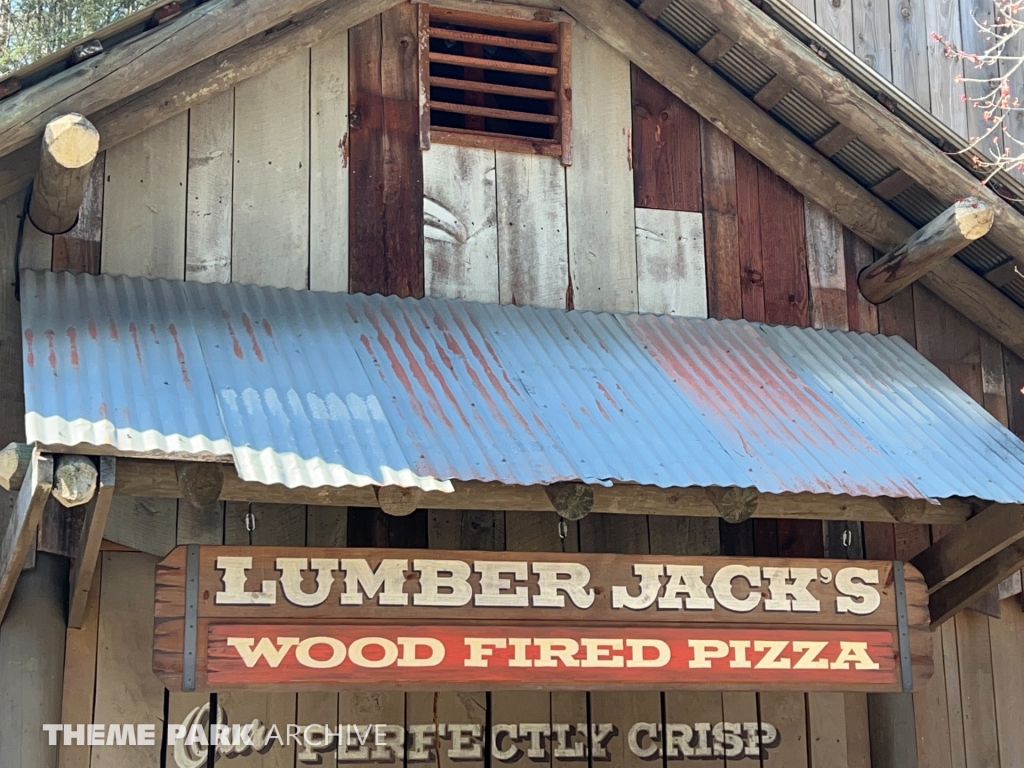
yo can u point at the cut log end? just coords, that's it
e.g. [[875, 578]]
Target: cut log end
[[14, 464], [74, 480], [70, 144], [573, 501], [973, 218], [200, 483], [71, 140], [906, 510], [397, 501], [734, 504]]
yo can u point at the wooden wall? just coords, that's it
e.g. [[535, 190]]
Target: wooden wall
[[894, 37], [659, 212]]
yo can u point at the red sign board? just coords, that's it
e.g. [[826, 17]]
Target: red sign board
[[581, 657]]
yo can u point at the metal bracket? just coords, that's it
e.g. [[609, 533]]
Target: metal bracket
[[903, 626], [188, 662]]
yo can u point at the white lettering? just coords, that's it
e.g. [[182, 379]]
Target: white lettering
[[721, 586], [291, 579], [274, 654], [455, 583], [388, 579], [859, 598], [234, 584], [650, 585], [570, 578], [494, 589]]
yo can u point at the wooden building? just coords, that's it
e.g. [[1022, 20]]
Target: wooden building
[[667, 162]]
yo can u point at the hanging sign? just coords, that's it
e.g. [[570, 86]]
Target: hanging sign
[[307, 618]]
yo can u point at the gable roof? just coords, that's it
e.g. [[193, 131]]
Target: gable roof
[[802, 118]]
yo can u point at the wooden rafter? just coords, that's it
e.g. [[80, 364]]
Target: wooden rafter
[[660, 55]]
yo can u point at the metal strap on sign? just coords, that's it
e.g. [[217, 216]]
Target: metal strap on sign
[[903, 625], [188, 666]]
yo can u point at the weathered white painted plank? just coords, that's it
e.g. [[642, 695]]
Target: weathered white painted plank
[[328, 167], [836, 18], [871, 40], [270, 226], [599, 183], [36, 248], [826, 268], [32, 664], [127, 691], [671, 277], [460, 235], [908, 27], [211, 144], [533, 240], [942, 17], [148, 525], [144, 203]]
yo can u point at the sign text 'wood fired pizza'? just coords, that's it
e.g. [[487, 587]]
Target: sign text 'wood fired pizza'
[[372, 619]]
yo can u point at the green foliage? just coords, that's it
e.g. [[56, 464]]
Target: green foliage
[[31, 29]]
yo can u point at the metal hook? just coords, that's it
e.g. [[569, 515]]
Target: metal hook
[[250, 523], [847, 538]]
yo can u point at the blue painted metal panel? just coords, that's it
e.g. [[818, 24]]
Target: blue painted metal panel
[[313, 389]]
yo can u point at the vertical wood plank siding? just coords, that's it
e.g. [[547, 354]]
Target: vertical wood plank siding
[[386, 177], [666, 147]]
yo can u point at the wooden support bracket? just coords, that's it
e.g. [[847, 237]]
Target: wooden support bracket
[[963, 548], [948, 233], [715, 48], [21, 528], [70, 144], [88, 550], [775, 91], [960, 593]]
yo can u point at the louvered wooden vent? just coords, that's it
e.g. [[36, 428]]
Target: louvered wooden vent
[[494, 81]]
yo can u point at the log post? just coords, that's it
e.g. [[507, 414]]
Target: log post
[[14, 464], [70, 144], [74, 480], [946, 234]]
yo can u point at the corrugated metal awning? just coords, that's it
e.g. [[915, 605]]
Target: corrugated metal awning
[[319, 389]]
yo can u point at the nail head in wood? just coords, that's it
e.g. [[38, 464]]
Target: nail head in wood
[[734, 504], [573, 501], [398, 501], [14, 463], [74, 480], [200, 482]]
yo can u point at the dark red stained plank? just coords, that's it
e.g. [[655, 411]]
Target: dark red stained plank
[[896, 316], [783, 251], [879, 541], [949, 340], [79, 249], [386, 180], [721, 224], [1013, 368], [748, 210], [666, 147]]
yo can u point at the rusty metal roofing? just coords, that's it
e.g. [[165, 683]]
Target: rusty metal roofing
[[311, 389]]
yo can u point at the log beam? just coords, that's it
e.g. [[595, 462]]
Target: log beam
[[573, 501], [946, 234], [22, 525], [157, 479], [200, 483], [734, 505], [660, 55], [184, 86], [397, 501], [965, 547], [70, 144]]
